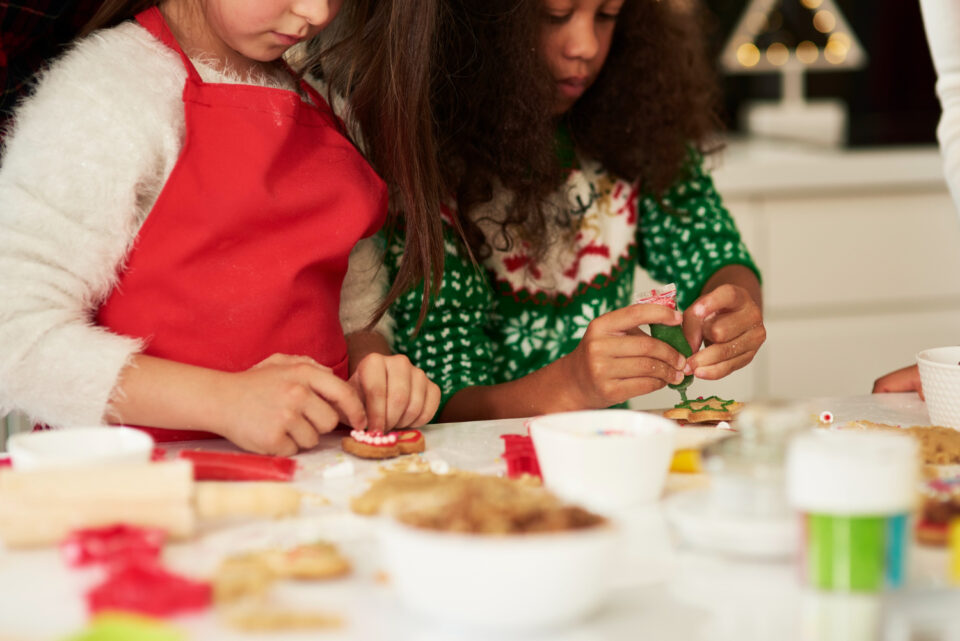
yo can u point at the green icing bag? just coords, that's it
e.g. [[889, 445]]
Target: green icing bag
[[673, 336]]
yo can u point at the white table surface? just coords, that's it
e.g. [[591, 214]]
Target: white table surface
[[665, 591]]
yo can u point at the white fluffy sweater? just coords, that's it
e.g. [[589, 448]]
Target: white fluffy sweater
[[87, 157]]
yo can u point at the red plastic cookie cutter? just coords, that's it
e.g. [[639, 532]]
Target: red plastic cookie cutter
[[520, 456], [147, 588], [235, 466], [112, 544]]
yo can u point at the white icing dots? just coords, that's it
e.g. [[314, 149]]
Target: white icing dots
[[373, 439]]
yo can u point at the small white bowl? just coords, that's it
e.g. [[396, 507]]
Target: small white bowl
[[505, 582], [940, 376], [604, 459], [79, 446]]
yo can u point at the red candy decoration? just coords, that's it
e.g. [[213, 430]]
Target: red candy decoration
[[520, 456], [233, 466], [147, 588], [113, 544]]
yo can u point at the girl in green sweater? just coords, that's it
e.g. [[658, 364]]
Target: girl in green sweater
[[573, 135]]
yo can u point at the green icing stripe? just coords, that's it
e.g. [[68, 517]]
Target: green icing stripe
[[688, 405]]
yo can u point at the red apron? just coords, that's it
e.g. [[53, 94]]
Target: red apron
[[244, 253]]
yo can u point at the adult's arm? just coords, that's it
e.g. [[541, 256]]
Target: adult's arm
[[941, 19]]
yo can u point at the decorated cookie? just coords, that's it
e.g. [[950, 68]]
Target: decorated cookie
[[387, 445], [704, 410]]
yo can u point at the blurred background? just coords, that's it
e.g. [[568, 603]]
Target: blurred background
[[891, 100], [855, 233]]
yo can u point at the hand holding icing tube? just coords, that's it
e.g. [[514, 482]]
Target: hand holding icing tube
[[615, 360], [672, 335]]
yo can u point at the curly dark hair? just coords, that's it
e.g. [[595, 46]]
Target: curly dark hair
[[656, 96]]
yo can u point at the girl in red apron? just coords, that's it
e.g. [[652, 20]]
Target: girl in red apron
[[231, 285]]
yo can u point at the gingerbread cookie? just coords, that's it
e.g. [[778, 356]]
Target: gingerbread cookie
[[379, 446], [939, 446], [251, 574], [704, 410], [312, 561]]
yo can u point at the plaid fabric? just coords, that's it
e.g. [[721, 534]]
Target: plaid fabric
[[32, 32]]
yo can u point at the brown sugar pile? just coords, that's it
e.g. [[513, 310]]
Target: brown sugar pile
[[471, 503], [393, 485]]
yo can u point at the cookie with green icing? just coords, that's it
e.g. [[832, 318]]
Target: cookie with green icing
[[704, 410]]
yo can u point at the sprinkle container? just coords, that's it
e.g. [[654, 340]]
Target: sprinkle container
[[854, 492]]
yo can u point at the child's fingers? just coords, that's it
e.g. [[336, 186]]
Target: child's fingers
[[725, 297], [306, 430], [693, 330], [906, 379], [640, 367], [723, 368], [632, 346], [371, 377], [322, 419], [418, 392], [727, 326], [746, 344], [284, 446], [342, 396], [430, 405], [398, 388], [624, 389], [622, 320]]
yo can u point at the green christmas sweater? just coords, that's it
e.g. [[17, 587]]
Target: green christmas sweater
[[513, 316]]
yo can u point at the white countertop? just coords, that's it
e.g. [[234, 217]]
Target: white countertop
[[762, 167], [665, 590]]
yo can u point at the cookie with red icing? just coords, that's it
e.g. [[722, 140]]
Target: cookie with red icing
[[387, 445]]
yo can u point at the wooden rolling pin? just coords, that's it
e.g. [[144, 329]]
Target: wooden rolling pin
[[41, 507]]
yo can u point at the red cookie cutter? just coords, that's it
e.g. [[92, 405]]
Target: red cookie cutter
[[112, 544], [234, 466], [147, 588]]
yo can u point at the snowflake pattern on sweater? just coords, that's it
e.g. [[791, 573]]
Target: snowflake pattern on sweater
[[512, 317]]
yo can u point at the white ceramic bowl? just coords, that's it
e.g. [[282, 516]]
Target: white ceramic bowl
[[604, 459], [79, 446], [940, 376], [508, 582]]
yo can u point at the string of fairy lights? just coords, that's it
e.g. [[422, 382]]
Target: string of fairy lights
[[764, 19]]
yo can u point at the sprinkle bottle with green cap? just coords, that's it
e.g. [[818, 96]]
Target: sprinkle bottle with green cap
[[854, 492]]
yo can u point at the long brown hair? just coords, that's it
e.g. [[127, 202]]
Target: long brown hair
[[379, 56], [655, 97]]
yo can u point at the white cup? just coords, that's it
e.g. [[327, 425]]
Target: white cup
[[940, 376], [604, 459]]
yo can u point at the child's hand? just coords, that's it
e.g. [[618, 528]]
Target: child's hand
[[282, 405], [616, 361], [732, 323], [395, 393], [902, 380]]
